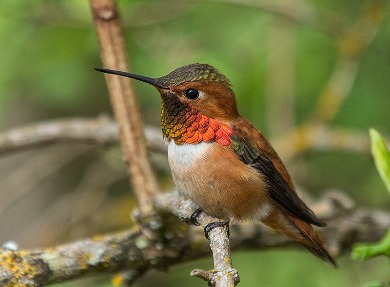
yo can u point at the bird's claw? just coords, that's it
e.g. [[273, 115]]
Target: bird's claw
[[194, 216], [210, 226]]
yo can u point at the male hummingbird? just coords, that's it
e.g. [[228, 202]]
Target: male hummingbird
[[221, 161]]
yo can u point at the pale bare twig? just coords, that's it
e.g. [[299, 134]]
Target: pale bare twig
[[99, 131], [124, 103]]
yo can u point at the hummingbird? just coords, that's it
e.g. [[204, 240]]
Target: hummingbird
[[222, 162]]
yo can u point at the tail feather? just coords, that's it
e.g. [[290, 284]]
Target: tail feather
[[300, 231], [312, 242]]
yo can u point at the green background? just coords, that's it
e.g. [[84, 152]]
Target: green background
[[47, 55]]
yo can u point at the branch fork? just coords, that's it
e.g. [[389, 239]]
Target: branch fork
[[223, 273], [213, 276]]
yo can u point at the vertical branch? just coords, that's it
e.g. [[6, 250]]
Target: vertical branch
[[223, 274], [124, 103]]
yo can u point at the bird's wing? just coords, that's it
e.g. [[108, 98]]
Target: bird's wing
[[254, 150]]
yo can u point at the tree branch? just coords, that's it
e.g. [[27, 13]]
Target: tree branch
[[124, 103], [98, 131], [128, 250], [133, 252], [223, 274]]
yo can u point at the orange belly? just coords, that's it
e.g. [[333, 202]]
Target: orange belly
[[218, 182]]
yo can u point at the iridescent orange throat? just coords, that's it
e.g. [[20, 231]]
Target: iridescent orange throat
[[185, 124]]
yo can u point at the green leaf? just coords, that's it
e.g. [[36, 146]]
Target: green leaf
[[381, 156], [366, 251]]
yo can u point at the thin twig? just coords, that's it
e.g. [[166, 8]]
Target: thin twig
[[100, 131], [223, 274], [124, 103], [95, 131]]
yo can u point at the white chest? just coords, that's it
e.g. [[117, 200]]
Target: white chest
[[187, 165], [183, 156]]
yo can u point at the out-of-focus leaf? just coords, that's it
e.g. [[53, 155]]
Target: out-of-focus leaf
[[381, 156], [366, 251]]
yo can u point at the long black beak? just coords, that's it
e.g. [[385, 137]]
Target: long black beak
[[151, 81]]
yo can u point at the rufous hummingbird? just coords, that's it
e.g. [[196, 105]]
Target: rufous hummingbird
[[221, 161]]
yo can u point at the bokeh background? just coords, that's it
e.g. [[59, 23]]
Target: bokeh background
[[290, 62]]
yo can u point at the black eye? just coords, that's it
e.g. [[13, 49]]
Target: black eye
[[192, 94]]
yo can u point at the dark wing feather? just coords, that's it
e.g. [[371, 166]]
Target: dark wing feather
[[279, 190]]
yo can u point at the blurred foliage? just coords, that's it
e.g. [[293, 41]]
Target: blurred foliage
[[368, 251], [47, 55], [381, 156]]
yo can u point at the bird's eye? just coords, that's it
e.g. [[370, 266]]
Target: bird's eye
[[192, 94]]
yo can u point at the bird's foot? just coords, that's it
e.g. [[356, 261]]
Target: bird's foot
[[215, 224], [194, 216]]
